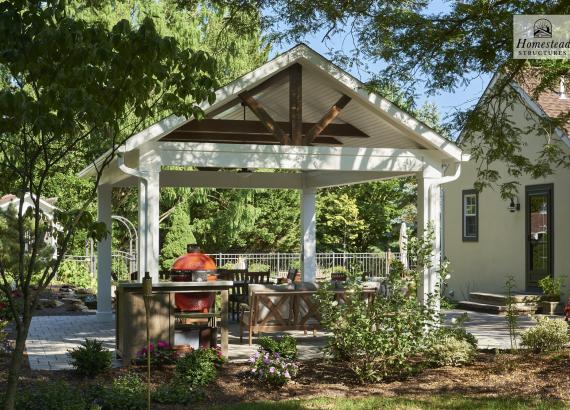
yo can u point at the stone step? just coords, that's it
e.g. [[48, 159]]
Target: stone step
[[497, 309], [501, 299]]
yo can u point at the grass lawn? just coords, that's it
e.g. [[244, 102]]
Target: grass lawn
[[445, 402]]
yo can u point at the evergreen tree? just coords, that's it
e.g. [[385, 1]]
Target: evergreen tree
[[179, 235]]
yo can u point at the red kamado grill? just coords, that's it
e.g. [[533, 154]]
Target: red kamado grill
[[194, 267]]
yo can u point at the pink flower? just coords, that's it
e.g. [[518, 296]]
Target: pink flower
[[161, 344]]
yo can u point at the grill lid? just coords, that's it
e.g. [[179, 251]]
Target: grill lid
[[194, 260]]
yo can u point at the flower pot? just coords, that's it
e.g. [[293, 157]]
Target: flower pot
[[551, 308]]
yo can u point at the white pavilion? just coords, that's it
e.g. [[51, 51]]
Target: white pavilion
[[299, 113]]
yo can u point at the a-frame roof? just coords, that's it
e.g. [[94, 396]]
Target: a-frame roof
[[378, 122]]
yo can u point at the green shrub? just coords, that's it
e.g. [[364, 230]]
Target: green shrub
[[376, 337], [91, 358], [450, 351], [5, 311], [457, 330], [258, 267], [50, 396], [126, 393], [75, 274], [119, 269], [175, 393], [286, 346], [551, 287], [199, 367], [547, 336]]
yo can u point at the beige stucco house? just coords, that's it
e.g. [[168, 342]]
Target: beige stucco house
[[487, 238]]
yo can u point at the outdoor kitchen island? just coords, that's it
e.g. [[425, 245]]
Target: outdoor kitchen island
[[164, 316]]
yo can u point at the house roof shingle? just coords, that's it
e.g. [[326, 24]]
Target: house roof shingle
[[549, 100]]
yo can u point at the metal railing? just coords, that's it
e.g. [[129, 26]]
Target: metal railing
[[371, 264], [122, 263]]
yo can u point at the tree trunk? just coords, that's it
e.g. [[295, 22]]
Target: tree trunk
[[16, 364]]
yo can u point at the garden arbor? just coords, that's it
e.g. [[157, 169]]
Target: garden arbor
[[298, 115]]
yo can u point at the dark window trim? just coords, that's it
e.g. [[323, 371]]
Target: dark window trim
[[537, 189], [464, 193]]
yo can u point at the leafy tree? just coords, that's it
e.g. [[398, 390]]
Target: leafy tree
[[76, 89], [178, 236], [198, 28], [383, 206], [338, 222]]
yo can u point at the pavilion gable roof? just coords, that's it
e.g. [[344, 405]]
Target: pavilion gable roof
[[359, 118]]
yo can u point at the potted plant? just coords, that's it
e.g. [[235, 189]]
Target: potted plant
[[552, 289]]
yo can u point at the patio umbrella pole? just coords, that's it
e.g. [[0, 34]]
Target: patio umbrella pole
[[147, 293]]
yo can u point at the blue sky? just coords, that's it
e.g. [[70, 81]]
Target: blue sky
[[447, 102]]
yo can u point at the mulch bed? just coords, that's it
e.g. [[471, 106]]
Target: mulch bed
[[521, 375]]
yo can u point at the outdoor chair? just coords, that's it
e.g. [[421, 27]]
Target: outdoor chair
[[258, 277], [275, 308], [232, 274], [291, 276], [239, 291]]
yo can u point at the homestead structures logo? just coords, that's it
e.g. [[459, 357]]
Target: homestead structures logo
[[542, 28], [541, 36]]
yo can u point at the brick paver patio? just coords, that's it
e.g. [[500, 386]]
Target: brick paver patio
[[52, 336]]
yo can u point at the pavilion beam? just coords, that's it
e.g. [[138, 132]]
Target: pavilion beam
[[228, 179], [256, 127], [296, 103], [240, 138], [264, 117], [312, 158], [327, 179], [329, 117]]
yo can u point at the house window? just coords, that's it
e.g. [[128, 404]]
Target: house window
[[470, 215]]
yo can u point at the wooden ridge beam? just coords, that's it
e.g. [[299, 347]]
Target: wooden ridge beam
[[236, 138], [329, 117], [296, 104], [256, 127], [264, 117]]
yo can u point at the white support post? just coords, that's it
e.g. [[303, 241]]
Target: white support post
[[429, 213], [309, 234], [142, 229], [149, 214], [153, 248], [104, 297]]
